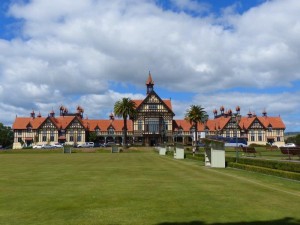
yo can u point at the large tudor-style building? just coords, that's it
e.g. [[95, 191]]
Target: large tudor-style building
[[153, 125]]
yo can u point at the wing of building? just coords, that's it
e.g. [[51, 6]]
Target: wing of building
[[154, 124]]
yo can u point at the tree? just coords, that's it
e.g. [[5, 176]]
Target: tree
[[125, 108], [294, 139], [196, 114], [92, 136], [6, 136]]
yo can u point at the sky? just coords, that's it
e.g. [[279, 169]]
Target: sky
[[92, 53]]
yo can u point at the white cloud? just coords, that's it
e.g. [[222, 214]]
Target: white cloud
[[70, 51]]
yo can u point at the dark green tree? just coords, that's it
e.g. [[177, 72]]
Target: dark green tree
[[6, 136], [294, 139], [92, 136], [195, 115], [125, 108]]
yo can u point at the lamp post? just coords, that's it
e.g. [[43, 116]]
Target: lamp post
[[237, 119]]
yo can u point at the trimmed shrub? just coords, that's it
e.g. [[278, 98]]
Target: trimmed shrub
[[199, 157], [271, 164], [274, 172]]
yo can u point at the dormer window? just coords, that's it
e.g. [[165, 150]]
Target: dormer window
[[29, 129], [111, 130], [270, 128], [180, 131], [97, 130]]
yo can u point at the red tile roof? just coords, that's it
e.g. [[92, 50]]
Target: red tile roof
[[22, 122], [220, 123], [276, 122], [103, 125], [186, 125], [166, 101], [61, 122]]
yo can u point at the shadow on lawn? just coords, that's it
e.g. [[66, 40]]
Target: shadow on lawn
[[284, 221]]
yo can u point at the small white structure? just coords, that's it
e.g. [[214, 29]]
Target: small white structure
[[179, 153], [162, 151], [214, 153]]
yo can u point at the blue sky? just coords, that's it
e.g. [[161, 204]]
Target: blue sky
[[94, 52]]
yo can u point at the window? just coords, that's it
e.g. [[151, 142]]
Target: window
[[79, 137], [29, 129], [140, 125], [44, 135], [71, 136], [259, 136], [19, 139], [111, 130], [19, 132], [180, 131], [270, 128], [235, 133], [228, 133], [152, 107], [252, 136], [278, 132], [52, 136], [152, 125], [278, 138], [166, 126]]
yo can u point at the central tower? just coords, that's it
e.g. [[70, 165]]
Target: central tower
[[149, 84]]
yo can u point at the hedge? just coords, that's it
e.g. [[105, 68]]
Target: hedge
[[274, 172], [271, 164], [288, 170]]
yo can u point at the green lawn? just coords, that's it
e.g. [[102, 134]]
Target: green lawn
[[127, 188]]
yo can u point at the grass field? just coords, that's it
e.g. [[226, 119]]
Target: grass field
[[127, 188]]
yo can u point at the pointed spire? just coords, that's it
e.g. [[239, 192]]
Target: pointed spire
[[149, 84], [149, 80]]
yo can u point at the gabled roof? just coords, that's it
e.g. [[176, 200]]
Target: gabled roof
[[217, 123], [246, 122], [186, 125], [21, 123], [166, 102], [61, 122], [276, 122]]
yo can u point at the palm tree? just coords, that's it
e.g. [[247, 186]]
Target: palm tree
[[125, 108], [196, 114]]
